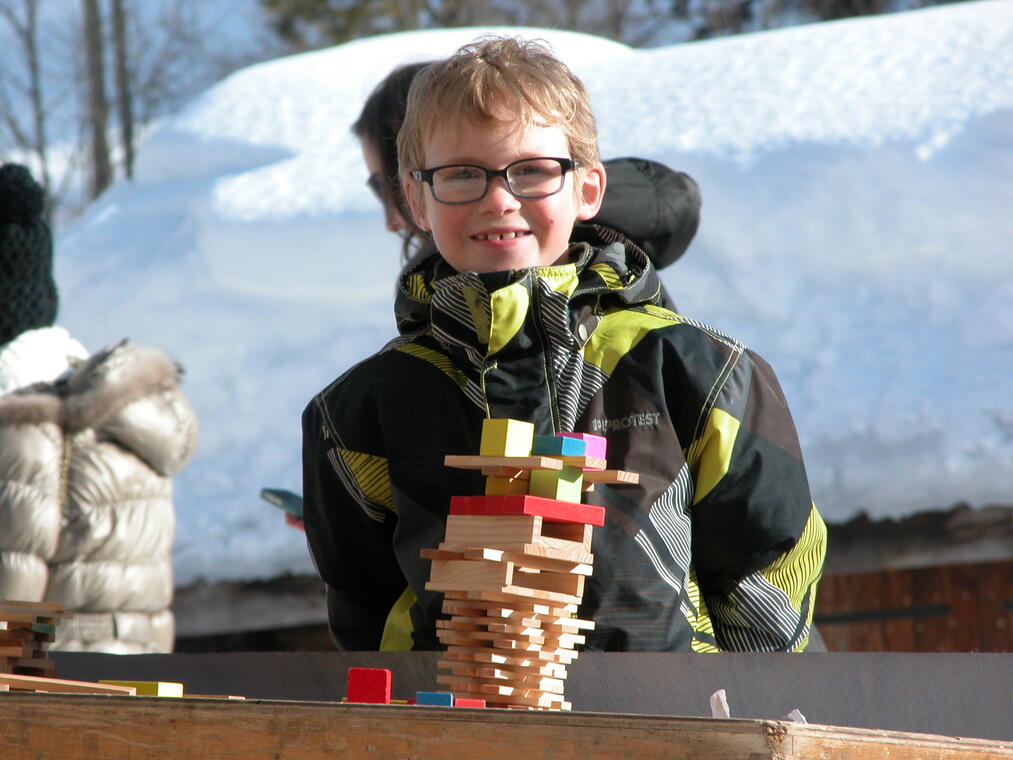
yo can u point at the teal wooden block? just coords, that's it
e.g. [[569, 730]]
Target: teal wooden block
[[558, 445]]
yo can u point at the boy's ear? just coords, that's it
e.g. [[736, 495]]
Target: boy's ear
[[412, 192], [590, 190]]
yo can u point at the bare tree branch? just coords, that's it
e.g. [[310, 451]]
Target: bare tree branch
[[98, 105], [124, 97]]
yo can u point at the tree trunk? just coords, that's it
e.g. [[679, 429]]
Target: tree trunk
[[98, 105], [124, 99]]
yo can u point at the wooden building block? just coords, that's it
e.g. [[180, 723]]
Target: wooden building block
[[528, 590], [530, 687], [501, 465], [21, 649], [493, 599], [558, 445], [39, 683], [563, 485], [150, 688], [585, 463], [464, 531], [506, 438], [528, 535], [499, 486], [530, 561], [44, 612], [611, 476], [508, 657], [468, 702], [506, 578], [369, 685], [595, 445], [467, 575], [534, 698], [551, 510], [474, 669], [434, 698]]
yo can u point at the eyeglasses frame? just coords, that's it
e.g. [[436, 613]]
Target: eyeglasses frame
[[426, 175]]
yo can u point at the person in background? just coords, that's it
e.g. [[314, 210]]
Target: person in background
[[88, 445]]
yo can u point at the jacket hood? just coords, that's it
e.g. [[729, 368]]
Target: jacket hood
[[655, 206], [604, 266], [108, 381]]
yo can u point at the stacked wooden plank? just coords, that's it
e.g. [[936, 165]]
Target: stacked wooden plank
[[26, 630], [512, 566]]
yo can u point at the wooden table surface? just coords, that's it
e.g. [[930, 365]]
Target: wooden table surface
[[85, 727]]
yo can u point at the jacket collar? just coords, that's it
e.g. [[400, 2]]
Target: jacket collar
[[486, 314]]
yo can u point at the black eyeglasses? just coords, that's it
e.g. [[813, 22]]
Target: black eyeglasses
[[455, 184]]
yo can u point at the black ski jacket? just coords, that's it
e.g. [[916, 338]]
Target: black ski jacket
[[718, 547]]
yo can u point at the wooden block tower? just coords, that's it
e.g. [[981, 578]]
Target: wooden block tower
[[513, 562], [26, 630]]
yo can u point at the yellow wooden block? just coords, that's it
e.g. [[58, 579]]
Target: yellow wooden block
[[495, 486], [506, 438], [566, 484], [151, 688]]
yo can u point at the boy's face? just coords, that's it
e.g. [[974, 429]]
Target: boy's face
[[499, 231]]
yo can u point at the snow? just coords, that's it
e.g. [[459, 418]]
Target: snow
[[855, 232]]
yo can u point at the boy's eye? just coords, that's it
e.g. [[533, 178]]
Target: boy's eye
[[533, 169], [458, 173]]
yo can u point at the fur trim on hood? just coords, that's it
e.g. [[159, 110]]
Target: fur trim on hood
[[107, 382], [114, 377]]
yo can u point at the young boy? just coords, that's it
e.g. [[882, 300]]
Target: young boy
[[718, 547]]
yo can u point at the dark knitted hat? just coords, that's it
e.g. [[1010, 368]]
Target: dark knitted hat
[[28, 297]]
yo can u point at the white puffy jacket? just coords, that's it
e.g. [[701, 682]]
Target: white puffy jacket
[[86, 512]]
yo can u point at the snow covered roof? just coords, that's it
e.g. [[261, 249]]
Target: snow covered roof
[[855, 232]]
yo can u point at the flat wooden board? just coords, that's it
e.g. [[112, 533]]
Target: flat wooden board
[[41, 608], [83, 727], [611, 476], [40, 683], [469, 462]]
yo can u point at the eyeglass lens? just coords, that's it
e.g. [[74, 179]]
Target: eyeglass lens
[[531, 178], [373, 182]]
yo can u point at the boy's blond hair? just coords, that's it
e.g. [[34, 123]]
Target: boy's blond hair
[[486, 76]]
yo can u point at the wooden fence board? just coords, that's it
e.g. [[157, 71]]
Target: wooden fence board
[[944, 608]]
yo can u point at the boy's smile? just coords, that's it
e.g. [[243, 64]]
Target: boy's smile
[[500, 231]]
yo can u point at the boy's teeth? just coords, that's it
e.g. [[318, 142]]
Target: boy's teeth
[[499, 236]]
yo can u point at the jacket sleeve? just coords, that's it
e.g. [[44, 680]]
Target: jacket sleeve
[[349, 523], [758, 540]]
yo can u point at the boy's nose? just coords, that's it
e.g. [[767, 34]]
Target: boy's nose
[[498, 199]]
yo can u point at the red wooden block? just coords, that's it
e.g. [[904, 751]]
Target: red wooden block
[[369, 685], [468, 702], [552, 510]]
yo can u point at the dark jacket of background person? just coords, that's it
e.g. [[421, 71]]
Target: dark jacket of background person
[[656, 207], [87, 448]]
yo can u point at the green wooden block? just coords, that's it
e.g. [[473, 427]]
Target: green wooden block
[[565, 485]]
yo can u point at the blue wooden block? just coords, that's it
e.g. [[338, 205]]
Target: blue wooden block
[[438, 698], [557, 445]]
